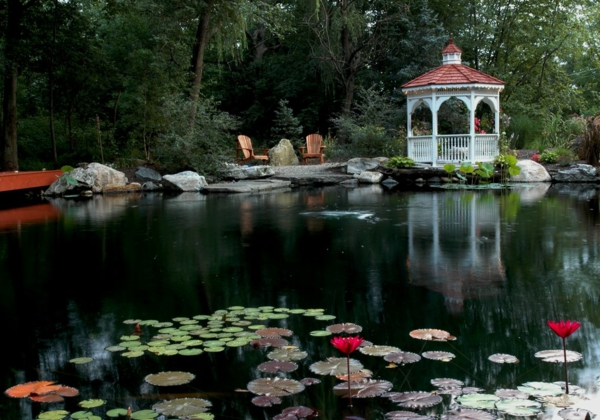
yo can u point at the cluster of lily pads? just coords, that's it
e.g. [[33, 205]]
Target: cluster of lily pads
[[248, 327]]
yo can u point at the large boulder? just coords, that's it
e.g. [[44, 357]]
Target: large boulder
[[238, 172], [90, 177], [358, 165], [283, 154], [531, 172], [187, 181], [577, 173], [147, 174]]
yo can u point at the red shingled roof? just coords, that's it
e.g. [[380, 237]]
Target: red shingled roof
[[451, 48], [452, 74]]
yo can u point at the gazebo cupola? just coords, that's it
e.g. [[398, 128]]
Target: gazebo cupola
[[453, 79]]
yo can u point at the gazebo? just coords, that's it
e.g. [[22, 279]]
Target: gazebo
[[453, 79]]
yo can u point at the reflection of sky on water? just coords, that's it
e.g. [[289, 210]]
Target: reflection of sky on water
[[489, 268]]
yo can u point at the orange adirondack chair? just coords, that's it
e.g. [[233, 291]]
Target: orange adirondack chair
[[313, 149], [245, 153]]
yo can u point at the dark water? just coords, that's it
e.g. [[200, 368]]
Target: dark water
[[489, 267]]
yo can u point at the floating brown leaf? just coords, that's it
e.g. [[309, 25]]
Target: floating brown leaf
[[24, 390], [46, 398], [450, 391], [443, 356], [274, 332], [266, 401], [363, 389], [277, 387], [346, 327], [335, 366], [402, 357], [274, 366], [416, 399]]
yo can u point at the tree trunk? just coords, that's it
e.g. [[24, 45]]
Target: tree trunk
[[8, 139], [10, 161], [200, 43], [51, 88]]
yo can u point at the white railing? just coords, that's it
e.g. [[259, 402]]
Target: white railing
[[454, 148]]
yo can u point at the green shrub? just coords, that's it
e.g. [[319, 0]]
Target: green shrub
[[523, 131], [549, 157], [400, 162]]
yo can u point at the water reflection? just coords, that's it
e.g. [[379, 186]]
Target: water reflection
[[490, 268], [454, 246]]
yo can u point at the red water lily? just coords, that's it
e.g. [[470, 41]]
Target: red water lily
[[564, 329], [347, 344]]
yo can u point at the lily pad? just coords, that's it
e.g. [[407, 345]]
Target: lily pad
[[182, 407], [53, 415], [320, 333], [446, 382], [406, 415], [275, 366], [467, 414], [443, 356], [266, 401], [116, 412], [347, 327], [378, 350], [81, 360], [511, 393], [558, 356], [481, 401], [363, 389], [519, 407], [169, 378], [325, 317], [416, 399], [92, 403], [430, 334], [270, 341], [402, 357], [285, 354], [26, 389], [273, 332], [335, 366], [503, 358], [277, 387], [540, 389], [310, 381], [575, 414], [144, 415]]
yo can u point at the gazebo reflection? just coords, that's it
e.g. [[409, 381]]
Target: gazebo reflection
[[454, 246]]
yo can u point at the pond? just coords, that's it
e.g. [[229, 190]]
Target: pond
[[488, 267]]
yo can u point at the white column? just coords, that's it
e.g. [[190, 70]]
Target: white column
[[434, 128], [472, 126]]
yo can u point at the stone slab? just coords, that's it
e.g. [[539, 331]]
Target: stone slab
[[247, 186]]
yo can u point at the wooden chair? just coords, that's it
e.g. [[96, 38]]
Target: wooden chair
[[245, 153], [313, 149]]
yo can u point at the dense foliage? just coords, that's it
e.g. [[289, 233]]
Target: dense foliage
[[173, 82]]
